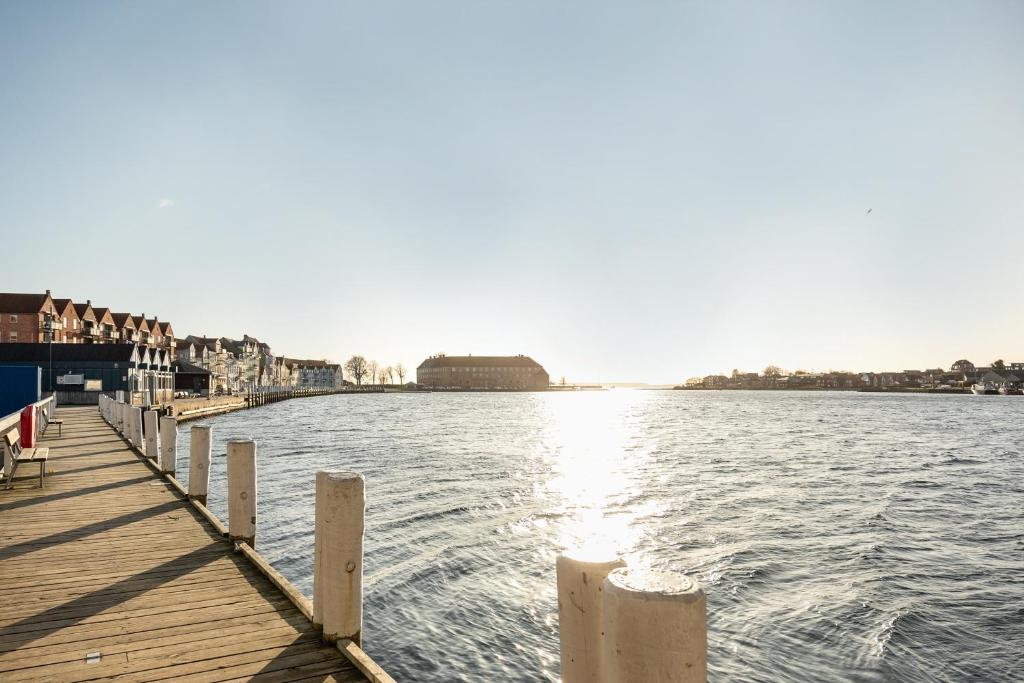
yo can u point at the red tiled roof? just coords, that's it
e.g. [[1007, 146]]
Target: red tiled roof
[[21, 303], [310, 363], [122, 319], [480, 362], [61, 304]]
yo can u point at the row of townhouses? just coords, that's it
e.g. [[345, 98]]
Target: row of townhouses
[[40, 318], [962, 374], [79, 347], [140, 355], [247, 364]]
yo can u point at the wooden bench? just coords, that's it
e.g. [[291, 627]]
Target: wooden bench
[[12, 442], [47, 422]]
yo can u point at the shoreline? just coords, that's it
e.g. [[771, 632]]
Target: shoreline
[[867, 390]]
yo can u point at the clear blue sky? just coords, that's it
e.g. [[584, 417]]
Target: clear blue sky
[[633, 191]]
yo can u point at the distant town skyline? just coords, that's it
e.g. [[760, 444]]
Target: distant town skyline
[[625, 193]]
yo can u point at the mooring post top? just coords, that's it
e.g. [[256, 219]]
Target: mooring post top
[[206, 427], [339, 475], [661, 585], [231, 441], [599, 558]]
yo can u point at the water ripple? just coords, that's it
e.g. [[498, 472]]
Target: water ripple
[[842, 537]]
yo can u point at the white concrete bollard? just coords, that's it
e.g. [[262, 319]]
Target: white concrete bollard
[[338, 555], [168, 445], [655, 628], [149, 423], [136, 427], [580, 612], [119, 417], [200, 453], [242, 490]]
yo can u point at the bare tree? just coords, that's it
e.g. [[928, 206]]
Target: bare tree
[[357, 367], [400, 371], [385, 374], [373, 368], [773, 372]]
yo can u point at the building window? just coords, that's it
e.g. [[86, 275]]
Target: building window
[[14, 317], [13, 336]]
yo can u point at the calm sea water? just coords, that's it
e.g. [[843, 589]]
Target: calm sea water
[[840, 536]]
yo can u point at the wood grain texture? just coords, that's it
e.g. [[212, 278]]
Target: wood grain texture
[[110, 558]]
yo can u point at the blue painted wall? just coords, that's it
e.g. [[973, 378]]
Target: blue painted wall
[[20, 385]]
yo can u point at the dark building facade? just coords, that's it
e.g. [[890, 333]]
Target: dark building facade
[[481, 372], [145, 374]]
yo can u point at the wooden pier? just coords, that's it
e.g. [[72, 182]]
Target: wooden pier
[[111, 573]]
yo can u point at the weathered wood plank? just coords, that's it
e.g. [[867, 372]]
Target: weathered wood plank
[[112, 558]]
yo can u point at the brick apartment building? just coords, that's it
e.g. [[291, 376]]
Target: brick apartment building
[[31, 318], [27, 318]]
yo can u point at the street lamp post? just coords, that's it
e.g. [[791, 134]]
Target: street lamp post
[[48, 328]]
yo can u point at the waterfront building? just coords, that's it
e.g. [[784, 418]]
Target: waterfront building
[[281, 375], [314, 374], [210, 355], [964, 366], [70, 332], [105, 332], [108, 367], [155, 331], [124, 325], [185, 351], [190, 379], [247, 352], [266, 364], [27, 318], [482, 372], [87, 320], [141, 328]]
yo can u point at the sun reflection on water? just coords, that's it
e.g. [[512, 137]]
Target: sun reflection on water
[[594, 448]]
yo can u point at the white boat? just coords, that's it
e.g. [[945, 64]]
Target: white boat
[[985, 389]]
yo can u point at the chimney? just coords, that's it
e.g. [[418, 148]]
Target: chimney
[[88, 302], [47, 292]]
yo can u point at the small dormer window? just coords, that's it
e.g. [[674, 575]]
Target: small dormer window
[[14, 317]]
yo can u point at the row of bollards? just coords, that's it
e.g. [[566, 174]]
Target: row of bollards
[[616, 625], [155, 436], [339, 518], [266, 395]]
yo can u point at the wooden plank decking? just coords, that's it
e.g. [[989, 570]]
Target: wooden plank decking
[[108, 558]]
